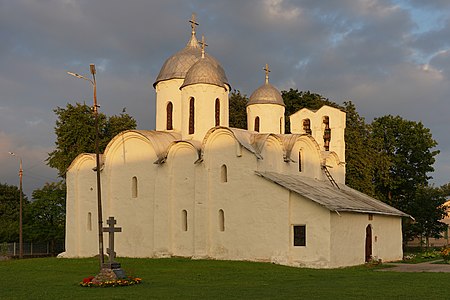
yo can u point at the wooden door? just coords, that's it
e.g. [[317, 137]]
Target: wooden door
[[368, 243]]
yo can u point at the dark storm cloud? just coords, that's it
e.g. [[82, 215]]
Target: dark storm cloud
[[367, 51]]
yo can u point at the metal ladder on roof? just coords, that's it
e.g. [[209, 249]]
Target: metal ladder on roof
[[328, 174]]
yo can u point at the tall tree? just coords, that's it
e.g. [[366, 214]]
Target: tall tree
[[75, 133], [428, 209], [9, 212], [46, 214], [359, 152], [404, 158], [237, 110]]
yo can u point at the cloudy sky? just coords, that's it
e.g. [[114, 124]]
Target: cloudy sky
[[387, 56]]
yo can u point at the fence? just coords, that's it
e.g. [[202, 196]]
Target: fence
[[31, 249]]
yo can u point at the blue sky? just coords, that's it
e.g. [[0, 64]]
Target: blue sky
[[387, 56]]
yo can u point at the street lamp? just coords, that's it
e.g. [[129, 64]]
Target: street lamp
[[20, 205], [97, 156]]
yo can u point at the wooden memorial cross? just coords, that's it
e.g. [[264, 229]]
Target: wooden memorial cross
[[111, 230]]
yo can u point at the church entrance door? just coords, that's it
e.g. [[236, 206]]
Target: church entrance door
[[368, 243]]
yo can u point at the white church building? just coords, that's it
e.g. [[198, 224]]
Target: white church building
[[195, 187]]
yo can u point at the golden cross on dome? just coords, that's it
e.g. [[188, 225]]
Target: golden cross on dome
[[193, 22], [203, 43], [267, 73]]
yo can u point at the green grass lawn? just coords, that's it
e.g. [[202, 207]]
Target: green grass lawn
[[176, 278]]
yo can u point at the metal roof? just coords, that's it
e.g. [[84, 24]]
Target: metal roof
[[323, 193], [206, 70], [266, 94]]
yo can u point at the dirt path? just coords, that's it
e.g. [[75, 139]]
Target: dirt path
[[422, 267]]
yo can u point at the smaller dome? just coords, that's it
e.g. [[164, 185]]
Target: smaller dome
[[266, 94], [206, 70]]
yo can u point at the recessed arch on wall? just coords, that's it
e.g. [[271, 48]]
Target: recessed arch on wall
[[223, 173], [89, 221], [134, 187], [184, 220], [221, 220]]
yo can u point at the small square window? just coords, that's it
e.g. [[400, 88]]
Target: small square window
[[370, 217], [299, 235]]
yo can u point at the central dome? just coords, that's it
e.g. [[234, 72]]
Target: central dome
[[178, 65]]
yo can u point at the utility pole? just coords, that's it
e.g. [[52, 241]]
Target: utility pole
[[97, 157], [20, 205]]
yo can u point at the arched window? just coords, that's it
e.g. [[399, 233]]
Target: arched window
[[169, 108], [326, 133], [184, 223], [191, 115], [217, 112], [300, 161], [307, 126], [221, 220], [89, 222], [257, 124], [223, 174], [134, 187]]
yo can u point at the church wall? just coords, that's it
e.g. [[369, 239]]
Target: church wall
[[271, 118], [131, 156], [387, 235], [252, 225], [316, 253], [205, 96], [309, 156], [272, 156], [168, 90], [348, 238], [182, 199], [81, 209]]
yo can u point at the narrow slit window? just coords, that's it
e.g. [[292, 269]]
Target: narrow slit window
[[184, 222], [299, 235], [89, 221], [169, 108], [221, 220], [299, 161], [223, 173], [134, 187], [217, 112], [257, 124], [191, 116]]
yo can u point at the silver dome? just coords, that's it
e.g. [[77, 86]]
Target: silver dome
[[178, 65], [206, 70], [266, 93]]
